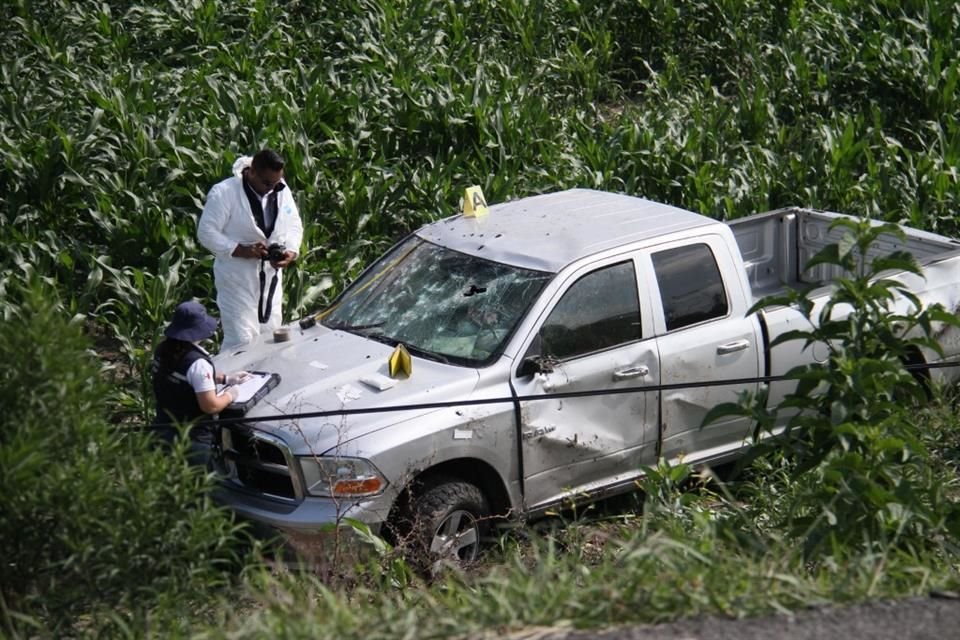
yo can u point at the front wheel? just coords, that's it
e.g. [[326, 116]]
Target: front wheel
[[450, 518]]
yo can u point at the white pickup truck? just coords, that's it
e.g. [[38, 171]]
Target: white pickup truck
[[506, 317]]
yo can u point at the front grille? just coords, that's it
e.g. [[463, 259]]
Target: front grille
[[257, 462]]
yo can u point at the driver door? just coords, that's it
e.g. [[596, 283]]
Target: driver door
[[591, 339]]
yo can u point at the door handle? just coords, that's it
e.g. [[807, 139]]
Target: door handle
[[632, 372], [732, 347]]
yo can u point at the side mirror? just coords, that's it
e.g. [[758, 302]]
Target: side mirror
[[532, 365]]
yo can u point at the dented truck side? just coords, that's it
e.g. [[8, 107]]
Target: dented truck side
[[532, 307]]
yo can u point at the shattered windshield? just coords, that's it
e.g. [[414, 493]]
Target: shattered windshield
[[439, 303]]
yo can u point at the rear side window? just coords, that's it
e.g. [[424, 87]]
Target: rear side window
[[599, 311], [690, 285]]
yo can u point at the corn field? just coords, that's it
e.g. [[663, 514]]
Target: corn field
[[117, 117]]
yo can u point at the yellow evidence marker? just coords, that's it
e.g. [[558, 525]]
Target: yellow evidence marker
[[400, 362], [474, 204]]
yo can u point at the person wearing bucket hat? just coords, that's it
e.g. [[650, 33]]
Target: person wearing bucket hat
[[184, 377]]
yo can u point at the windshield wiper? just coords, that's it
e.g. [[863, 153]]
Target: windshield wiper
[[362, 329], [374, 331], [429, 355]]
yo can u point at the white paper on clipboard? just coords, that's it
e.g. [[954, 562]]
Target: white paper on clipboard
[[249, 388]]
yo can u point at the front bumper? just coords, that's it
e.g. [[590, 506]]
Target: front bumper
[[309, 515], [318, 533], [261, 482]]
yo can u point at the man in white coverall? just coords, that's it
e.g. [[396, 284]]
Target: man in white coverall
[[252, 226]]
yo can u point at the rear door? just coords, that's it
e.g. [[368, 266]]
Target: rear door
[[704, 337], [594, 336]]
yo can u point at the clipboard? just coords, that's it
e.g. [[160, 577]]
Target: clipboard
[[251, 392]]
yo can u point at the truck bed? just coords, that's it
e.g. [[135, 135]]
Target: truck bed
[[776, 245]]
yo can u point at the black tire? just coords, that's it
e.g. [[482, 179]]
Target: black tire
[[450, 519]]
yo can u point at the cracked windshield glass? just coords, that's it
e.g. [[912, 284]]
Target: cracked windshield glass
[[439, 303]]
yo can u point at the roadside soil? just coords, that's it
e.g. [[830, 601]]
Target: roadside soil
[[935, 617]]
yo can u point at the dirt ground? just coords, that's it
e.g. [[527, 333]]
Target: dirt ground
[[935, 617]]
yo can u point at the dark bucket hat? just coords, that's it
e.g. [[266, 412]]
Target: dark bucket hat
[[191, 322]]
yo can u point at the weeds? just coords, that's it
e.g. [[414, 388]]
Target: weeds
[[95, 521], [858, 469]]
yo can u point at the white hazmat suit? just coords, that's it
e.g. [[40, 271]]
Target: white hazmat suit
[[228, 221]]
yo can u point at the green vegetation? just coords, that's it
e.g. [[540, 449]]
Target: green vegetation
[[98, 526], [861, 477], [118, 116]]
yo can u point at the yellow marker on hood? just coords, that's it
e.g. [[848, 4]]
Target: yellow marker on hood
[[474, 204], [400, 362]]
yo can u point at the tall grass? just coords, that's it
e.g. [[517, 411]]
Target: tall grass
[[100, 528]]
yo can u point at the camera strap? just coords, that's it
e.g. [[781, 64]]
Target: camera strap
[[262, 314]]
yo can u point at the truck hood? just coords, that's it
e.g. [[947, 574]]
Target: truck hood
[[326, 370]]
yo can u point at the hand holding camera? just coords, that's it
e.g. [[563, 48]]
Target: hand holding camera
[[276, 252], [278, 255], [251, 251]]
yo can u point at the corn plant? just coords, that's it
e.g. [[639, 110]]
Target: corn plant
[[862, 469]]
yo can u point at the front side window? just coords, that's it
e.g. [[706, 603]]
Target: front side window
[[439, 303], [599, 311], [691, 288]]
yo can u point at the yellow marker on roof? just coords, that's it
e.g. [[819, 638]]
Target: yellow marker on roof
[[474, 204], [400, 362]]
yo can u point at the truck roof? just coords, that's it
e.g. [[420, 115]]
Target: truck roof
[[547, 232]]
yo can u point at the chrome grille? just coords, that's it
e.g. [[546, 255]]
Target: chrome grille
[[258, 462]]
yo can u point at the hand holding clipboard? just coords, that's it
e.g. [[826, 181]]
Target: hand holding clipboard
[[250, 391]]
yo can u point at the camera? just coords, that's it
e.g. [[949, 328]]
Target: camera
[[276, 252]]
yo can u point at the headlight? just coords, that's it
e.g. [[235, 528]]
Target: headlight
[[341, 477]]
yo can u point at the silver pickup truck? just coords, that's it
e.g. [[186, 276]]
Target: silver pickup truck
[[507, 316]]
